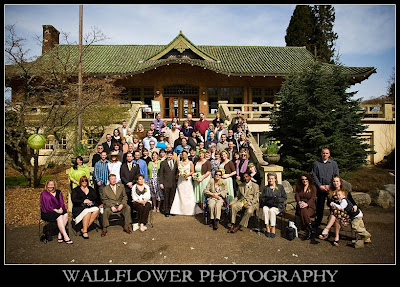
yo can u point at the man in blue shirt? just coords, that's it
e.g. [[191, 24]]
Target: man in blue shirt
[[142, 165], [101, 172], [146, 140]]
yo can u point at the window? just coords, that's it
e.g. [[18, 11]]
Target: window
[[144, 94]]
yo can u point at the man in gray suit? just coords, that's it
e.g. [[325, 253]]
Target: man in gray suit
[[167, 178], [247, 198], [115, 200]]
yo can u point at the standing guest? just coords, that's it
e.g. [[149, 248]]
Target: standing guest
[[158, 123], [97, 156], [165, 129], [124, 145], [186, 129], [75, 173], [193, 157], [202, 170], [124, 128], [241, 165], [173, 135], [201, 125], [141, 201], [116, 136], [135, 142], [115, 200], [213, 149], [199, 137], [235, 120], [152, 149], [254, 174], [130, 150], [222, 144], [228, 121], [210, 128], [322, 172], [192, 140], [52, 209], [217, 120], [176, 122], [215, 192], [178, 150], [184, 202], [231, 150], [167, 178], [162, 154], [238, 132], [142, 164], [190, 120], [117, 149], [178, 141], [101, 173], [247, 198], [244, 143], [145, 156], [146, 140], [221, 131], [140, 132], [85, 205], [211, 141], [140, 148], [231, 137], [305, 194], [107, 145], [215, 162], [129, 136], [156, 193], [228, 173], [114, 166], [156, 133], [272, 202], [129, 172], [200, 147], [161, 143]]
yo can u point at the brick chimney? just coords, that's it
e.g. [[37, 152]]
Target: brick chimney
[[50, 38]]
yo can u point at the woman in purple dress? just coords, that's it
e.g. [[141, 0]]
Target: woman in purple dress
[[52, 208]]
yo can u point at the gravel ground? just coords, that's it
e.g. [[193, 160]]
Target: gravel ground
[[186, 240]]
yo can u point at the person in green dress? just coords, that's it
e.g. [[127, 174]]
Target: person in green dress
[[75, 173], [201, 177]]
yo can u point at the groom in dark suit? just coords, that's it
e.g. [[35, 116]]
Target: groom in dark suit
[[129, 172], [168, 176]]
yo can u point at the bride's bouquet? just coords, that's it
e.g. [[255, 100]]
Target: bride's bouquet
[[195, 176]]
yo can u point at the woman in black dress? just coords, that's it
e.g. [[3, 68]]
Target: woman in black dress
[[85, 205]]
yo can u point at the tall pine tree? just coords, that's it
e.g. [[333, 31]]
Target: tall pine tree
[[316, 112], [312, 27]]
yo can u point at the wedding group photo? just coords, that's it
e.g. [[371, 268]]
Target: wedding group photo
[[271, 142]]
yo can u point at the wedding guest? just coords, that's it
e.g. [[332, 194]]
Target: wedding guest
[[145, 156], [202, 170], [254, 174], [168, 175], [215, 191], [158, 123], [201, 125], [141, 201], [241, 164], [78, 170], [142, 164], [210, 128], [114, 166], [153, 168], [187, 129], [140, 132], [215, 162], [305, 195], [85, 205], [124, 145], [52, 209], [129, 136], [244, 143], [116, 137], [228, 173]]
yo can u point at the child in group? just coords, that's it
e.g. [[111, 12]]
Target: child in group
[[343, 213]]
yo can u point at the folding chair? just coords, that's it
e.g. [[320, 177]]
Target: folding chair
[[49, 230]]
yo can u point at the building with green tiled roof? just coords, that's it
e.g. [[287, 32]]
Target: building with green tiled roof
[[184, 77]]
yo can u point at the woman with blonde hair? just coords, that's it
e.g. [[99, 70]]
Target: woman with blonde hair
[[52, 208], [140, 132], [228, 173]]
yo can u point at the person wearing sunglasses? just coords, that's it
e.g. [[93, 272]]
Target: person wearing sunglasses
[[85, 205], [305, 195]]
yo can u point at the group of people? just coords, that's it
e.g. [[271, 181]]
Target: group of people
[[183, 169]]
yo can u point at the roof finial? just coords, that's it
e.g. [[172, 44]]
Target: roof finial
[[180, 31]]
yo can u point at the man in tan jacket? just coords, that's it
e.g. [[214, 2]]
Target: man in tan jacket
[[215, 191], [115, 200], [247, 198]]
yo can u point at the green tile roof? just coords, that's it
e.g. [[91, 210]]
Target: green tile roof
[[230, 60]]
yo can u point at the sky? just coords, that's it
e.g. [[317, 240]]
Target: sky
[[366, 33]]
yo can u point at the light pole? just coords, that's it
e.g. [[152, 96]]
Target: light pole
[[80, 74]]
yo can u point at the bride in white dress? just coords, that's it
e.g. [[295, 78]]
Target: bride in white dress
[[184, 201]]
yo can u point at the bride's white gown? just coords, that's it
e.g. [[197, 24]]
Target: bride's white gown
[[184, 201]]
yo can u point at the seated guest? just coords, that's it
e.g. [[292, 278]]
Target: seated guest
[[272, 202], [85, 205], [115, 199], [52, 209], [215, 191], [141, 201], [247, 198], [305, 194], [254, 174]]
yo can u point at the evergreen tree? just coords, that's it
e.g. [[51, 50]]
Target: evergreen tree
[[312, 27], [316, 112]]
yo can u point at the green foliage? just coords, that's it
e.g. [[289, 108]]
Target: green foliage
[[312, 27], [316, 112], [271, 147], [81, 148]]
